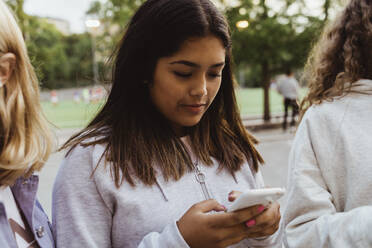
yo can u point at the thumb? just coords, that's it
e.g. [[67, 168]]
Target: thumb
[[210, 205], [233, 195]]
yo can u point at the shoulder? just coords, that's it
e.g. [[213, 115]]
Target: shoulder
[[84, 176], [327, 113], [82, 156], [320, 127], [79, 164]]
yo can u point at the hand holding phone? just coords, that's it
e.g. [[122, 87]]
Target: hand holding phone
[[256, 197]]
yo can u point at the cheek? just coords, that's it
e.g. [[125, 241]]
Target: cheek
[[164, 94], [213, 90]]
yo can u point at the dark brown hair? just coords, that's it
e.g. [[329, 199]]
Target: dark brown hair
[[342, 56], [135, 134]]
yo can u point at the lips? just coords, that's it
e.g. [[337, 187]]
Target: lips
[[194, 108], [195, 105]]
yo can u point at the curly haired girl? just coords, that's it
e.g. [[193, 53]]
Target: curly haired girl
[[329, 195]]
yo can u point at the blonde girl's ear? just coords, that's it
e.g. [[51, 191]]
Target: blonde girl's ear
[[7, 65]]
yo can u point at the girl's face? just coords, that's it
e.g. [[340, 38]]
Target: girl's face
[[186, 83]]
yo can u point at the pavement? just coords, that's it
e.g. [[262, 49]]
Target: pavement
[[274, 146]]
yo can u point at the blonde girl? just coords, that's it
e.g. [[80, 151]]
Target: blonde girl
[[25, 142], [330, 172]]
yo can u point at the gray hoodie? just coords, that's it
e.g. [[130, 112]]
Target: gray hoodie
[[89, 211]]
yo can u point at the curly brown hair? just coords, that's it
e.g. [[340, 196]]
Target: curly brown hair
[[341, 57]]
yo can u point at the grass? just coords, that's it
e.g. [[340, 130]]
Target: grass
[[68, 114], [251, 101]]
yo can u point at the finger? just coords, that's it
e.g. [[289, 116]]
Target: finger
[[233, 235], [263, 232], [233, 195], [208, 206], [236, 217], [268, 218], [239, 232]]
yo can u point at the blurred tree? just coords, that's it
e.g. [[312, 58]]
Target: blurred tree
[[270, 40], [115, 11], [78, 49], [114, 16], [47, 51], [273, 41], [59, 61]]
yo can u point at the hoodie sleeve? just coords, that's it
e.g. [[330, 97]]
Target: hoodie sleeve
[[80, 216], [170, 237], [83, 217]]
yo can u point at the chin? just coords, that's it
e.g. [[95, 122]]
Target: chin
[[190, 123]]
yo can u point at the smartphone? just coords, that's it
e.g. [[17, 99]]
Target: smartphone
[[256, 197]]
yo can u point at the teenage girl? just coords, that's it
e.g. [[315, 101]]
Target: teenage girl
[[329, 194], [155, 166], [25, 143]]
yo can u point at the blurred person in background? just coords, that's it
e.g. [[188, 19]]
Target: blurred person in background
[[54, 98], [157, 163], [76, 97], [287, 86], [25, 143], [330, 165], [86, 95]]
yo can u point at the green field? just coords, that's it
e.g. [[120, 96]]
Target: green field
[[251, 101], [67, 114]]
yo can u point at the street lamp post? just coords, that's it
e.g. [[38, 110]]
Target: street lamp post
[[241, 25], [93, 25]]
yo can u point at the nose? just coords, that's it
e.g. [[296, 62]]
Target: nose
[[199, 87]]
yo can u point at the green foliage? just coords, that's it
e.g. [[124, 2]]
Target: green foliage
[[272, 38], [46, 51], [114, 16], [273, 41], [60, 61], [79, 52]]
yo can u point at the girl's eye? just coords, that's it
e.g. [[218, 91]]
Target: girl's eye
[[183, 75], [214, 75]]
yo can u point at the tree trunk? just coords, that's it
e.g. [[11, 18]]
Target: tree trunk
[[326, 7], [266, 88]]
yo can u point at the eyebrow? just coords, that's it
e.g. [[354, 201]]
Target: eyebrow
[[191, 64]]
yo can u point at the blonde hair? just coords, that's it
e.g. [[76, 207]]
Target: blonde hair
[[25, 138], [341, 57]]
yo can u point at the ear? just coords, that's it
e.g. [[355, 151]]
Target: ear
[[7, 65]]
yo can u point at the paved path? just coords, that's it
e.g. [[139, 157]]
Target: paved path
[[274, 147]]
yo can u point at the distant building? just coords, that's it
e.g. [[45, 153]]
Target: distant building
[[62, 25]]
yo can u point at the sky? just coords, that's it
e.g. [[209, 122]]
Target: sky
[[74, 10]]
